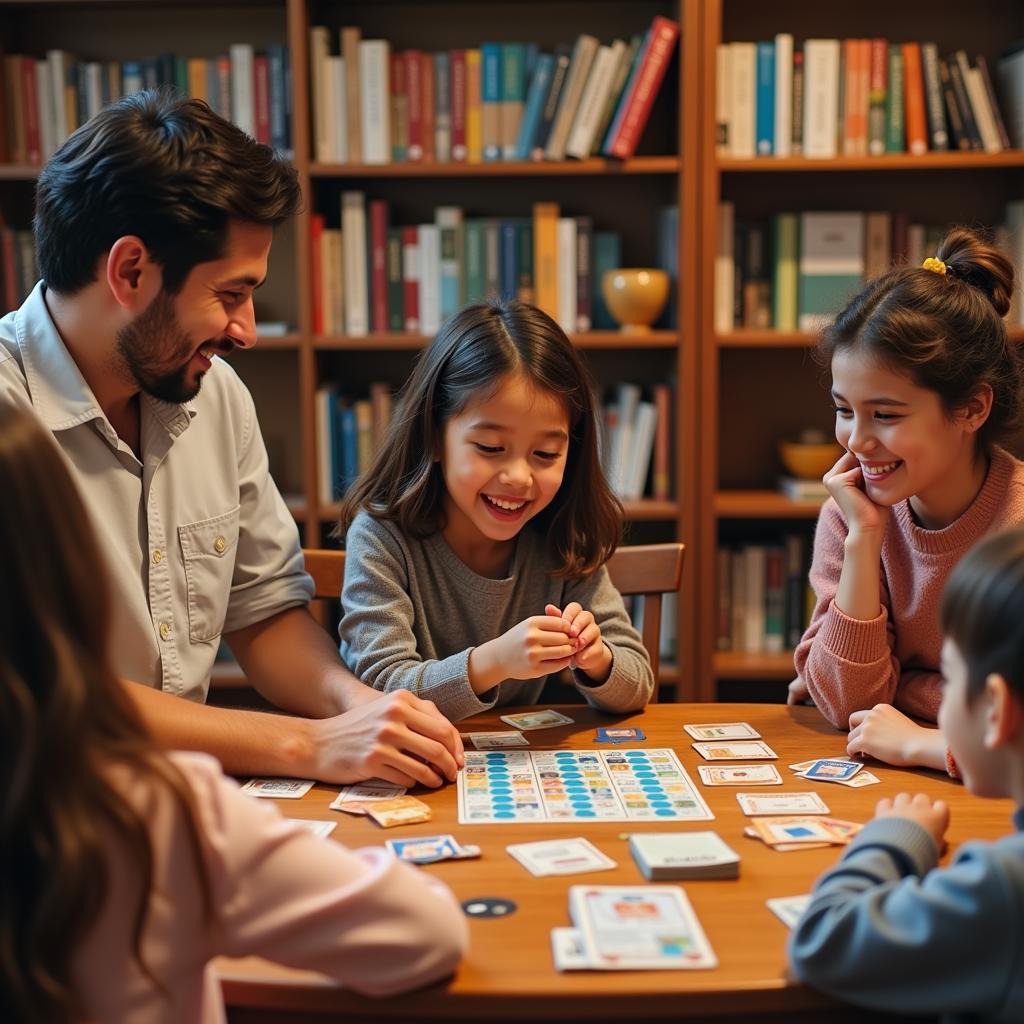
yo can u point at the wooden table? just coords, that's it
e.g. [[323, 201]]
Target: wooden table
[[508, 973]]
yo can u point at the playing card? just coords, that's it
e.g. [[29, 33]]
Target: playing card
[[802, 766], [723, 731], [737, 751], [357, 799], [560, 857], [619, 735], [739, 775], [794, 830], [752, 833], [279, 789], [428, 849], [497, 740], [403, 810], [536, 719], [568, 950], [781, 803], [862, 778], [832, 770], [788, 909], [318, 828]]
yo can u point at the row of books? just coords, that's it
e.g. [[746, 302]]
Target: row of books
[[856, 97], [349, 431], [45, 99], [795, 271], [18, 273], [500, 101], [370, 276], [764, 599], [636, 447]]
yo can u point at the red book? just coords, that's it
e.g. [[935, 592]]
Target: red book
[[316, 270], [427, 100], [379, 266], [411, 278], [458, 101], [913, 99], [649, 75], [414, 89], [33, 139], [261, 96]]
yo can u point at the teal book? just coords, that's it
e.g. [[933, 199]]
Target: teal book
[[895, 141], [490, 99], [607, 256], [474, 285], [449, 273], [524, 250], [831, 265], [529, 126]]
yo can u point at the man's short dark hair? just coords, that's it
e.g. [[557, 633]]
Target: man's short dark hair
[[166, 169]]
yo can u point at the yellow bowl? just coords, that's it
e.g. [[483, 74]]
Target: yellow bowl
[[635, 297], [809, 461]]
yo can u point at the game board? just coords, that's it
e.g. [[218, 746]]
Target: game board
[[577, 785]]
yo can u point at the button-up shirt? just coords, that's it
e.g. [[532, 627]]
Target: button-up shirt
[[197, 538]]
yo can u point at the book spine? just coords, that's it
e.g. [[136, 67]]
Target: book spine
[[559, 74], [934, 104], [413, 83], [457, 91], [242, 106], [982, 112], [374, 73], [475, 283], [583, 56], [990, 92], [316, 270], [411, 279], [353, 227], [378, 265], [509, 263], [607, 256], [584, 296], [442, 108], [956, 123], [765, 99], [533, 109], [783, 115], [913, 94], [351, 37], [821, 92], [399, 110], [580, 143], [430, 278], [566, 317], [474, 113], [545, 256], [492, 259], [878, 86], [524, 229], [957, 70], [261, 97], [277, 57], [894, 125], [663, 442], [723, 98], [490, 58], [396, 319], [513, 89], [429, 107], [33, 133]]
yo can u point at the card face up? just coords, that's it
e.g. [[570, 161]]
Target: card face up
[[739, 775], [278, 789], [561, 857], [781, 803], [536, 719], [738, 750], [723, 731], [497, 740]]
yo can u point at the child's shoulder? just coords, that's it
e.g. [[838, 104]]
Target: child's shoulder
[[368, 532]]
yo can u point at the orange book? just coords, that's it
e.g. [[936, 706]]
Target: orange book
[[913, 99], [474, 111], [545, 257], [662, 442], [197, 79]]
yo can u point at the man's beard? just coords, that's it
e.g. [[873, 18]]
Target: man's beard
[[154, 340]]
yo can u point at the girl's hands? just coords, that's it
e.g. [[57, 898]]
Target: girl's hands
[[933, 817], [592, 656], [534, 647], [845, 482]]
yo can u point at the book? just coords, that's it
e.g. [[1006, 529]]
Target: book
[[1010, 76], [878, 84], [533, 108], [783, 113], [742, 96], [442, 108], [545, 257], [490, 98], [513, 93], [583, 56], [821, 97], [831, 265], [786, 236], [583, 136], [663, 856], [353, 227], [457, 93], [474, 126], [350, 39], [935, 107], [894, 121], [765, 99], [915, 123], [559, 73]]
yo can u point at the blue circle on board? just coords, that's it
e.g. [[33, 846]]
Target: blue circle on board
[[666, 813], [504, 814], [581, 813]]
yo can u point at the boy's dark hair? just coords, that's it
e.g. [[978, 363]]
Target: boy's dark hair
[[983, 610], [944, 330], [468, 358], [167, 169]]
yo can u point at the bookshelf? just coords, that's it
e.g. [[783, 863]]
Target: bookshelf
[[742, 372]]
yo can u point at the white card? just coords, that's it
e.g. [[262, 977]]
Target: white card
[[318, 828], [781, 803], [739, 775], [862, 778], [279, 789], [536, 719], [568, 950], [497, 740], [735, 751], [354, 799], [723, 731], [788, 909], [560, 857]]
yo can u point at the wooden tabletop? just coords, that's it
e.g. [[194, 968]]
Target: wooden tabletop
[[508, 973]]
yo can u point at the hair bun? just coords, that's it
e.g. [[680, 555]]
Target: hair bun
[[971, 258]]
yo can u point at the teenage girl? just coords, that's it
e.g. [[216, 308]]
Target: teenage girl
[[124, 870], [477, 538], [926, 386]]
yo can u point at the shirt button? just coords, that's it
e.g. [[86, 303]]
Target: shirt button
[[219, 545], [165, 631], [158, 556]]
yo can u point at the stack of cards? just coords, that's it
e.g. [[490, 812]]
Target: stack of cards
[[360, 798], [797, 832], [536, 719], [836, 769], [429, 849], [403, 810], [625, 928], [278, 789], [496, 740], [662, 856], [561, 857]]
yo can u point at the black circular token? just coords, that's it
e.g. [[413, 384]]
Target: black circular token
[[488, 906]]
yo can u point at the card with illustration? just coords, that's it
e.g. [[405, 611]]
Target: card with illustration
[[428, 849], [496, 740], [794, 830], [561, 857], [740, 750], [739, 775], [622, 735], [781, 803], [536, 719], [278, 789], [723, 731], [832, 770], [358, 798], [403, 810]]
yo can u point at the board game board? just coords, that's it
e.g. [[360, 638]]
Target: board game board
[[577, 785]]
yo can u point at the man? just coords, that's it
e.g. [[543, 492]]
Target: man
[[153, 227]]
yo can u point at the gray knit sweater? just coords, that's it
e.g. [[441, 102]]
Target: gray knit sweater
[[412, 611]]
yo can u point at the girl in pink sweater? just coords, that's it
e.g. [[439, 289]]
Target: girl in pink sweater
[[925, 385], [124, 870]]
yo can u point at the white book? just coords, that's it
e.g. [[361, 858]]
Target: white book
[[983, 113], [353, 230], [319, 55], [337, 109], [639, 462], [594, 100], [430, 278], [567, 283], [58, 61], [375, 99], [324, 444], [627, 397], [725, 270], [93, 88], [723, 98], [783, 94], [821, 97], [44, 93], [753, 598], [242, 107], [579, 70], [743, 100]]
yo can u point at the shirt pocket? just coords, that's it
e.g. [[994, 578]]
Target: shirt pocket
[[208, 549]]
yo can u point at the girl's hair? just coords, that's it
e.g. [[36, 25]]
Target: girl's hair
[[944, 330], [65, 721], [983, 608], [469, 357]]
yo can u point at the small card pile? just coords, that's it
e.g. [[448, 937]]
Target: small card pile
[[360, 798], [798, 832], [497, 740], [619, 735], [662, 856], [536, 719], [403, 810], [561, 857], [278, 789], [735, 750], [626, 928], [739, 775], [430, 849], [836, 769]]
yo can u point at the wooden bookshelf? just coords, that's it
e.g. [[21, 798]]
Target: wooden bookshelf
[[404, 341], [951, 161], [503, 169], [763, 505]]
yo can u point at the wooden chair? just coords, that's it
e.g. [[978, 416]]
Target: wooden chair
[[647, 571]]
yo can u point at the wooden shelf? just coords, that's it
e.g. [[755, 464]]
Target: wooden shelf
[[741, 665], [501, 168], [646, 509], [402, 341], [19, 172], [749, 337], [952, 160], [763, 505]]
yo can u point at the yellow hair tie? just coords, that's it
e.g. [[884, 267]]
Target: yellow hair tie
[[934, 264]]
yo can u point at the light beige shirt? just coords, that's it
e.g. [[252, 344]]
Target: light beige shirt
[[197, 537]]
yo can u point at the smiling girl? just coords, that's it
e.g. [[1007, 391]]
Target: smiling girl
[[925, 384], [477, 538]]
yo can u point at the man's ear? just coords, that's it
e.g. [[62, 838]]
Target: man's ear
[[1004, 714], [131, 274]]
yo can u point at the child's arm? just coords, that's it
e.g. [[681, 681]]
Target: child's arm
[[886, 931]]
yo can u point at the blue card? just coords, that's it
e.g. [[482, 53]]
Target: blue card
[[620, 735], [427, 849], [832, 770]]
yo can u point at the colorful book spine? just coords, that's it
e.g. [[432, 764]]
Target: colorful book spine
[[474, 126], [442, 108], [490, 57], [378, 266], [513, 93], [895, 138], [533, 108], [411, 279], [457, 92], [765, 100]]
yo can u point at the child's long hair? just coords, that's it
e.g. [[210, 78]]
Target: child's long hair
[[983, 610], [468, 359], [945, 330], [65, 720]]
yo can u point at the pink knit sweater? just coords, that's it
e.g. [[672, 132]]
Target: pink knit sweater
[[852, 664]]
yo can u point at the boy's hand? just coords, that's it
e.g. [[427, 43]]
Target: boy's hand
[[932, 816], [592, 656]]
